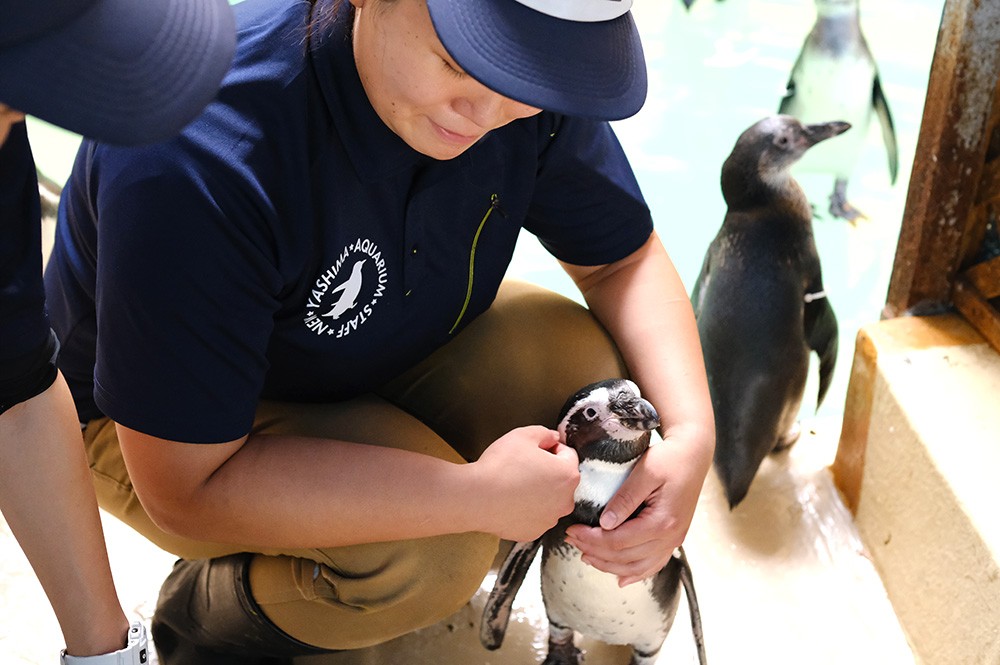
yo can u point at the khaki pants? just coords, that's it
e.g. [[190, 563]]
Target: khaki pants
[[515, 365]]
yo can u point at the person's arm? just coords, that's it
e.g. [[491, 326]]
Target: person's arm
[[289, 492], [48, 500], [642, 303], [46, 494]]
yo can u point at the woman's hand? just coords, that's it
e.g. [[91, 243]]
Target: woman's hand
[[642, 302], [666, 484], [527, 478]]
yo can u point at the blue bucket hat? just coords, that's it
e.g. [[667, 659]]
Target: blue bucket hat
[[121, 71], [577, 57]]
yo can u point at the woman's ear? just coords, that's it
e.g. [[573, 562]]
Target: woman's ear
[[357, 3]]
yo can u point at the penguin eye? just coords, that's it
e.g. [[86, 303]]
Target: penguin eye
[[782, 141], [590, 413]]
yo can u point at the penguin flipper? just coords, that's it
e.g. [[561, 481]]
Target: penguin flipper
[[496, 612], [687, 579], [823, 337], [785, 107], [888, 130]]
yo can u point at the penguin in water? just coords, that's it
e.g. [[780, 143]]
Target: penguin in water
[[760, 303], [609, 424], [835, 76]]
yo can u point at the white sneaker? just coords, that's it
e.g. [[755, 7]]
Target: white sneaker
[[135, 653]]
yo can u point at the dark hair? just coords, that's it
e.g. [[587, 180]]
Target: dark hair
[[322, 15]]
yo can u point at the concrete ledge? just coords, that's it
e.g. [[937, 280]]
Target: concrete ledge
[[918, 464]]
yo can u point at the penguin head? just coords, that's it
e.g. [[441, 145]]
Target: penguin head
[[608, 420], [768, 148], [781, 140]]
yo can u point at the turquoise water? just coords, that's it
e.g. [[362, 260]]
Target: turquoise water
[[713, 72]]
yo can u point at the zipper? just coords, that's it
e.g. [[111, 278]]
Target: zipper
[[494, 205]]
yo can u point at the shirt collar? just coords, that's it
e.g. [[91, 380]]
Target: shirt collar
[[375, 151]]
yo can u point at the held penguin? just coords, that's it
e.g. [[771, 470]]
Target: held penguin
[[609, 424], [835, 76], [760, 303]]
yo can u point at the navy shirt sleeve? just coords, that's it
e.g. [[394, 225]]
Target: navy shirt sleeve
[[186, 299], [587, 208]]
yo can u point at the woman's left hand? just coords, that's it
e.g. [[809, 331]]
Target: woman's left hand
[[665, 483]]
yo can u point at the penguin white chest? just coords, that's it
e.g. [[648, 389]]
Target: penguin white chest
[[588, 600], [591, 602], [832, 88]]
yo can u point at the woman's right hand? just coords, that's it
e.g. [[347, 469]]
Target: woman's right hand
[[526, 480]]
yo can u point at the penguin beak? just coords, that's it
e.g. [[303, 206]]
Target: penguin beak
[[824, 130], [638, 414]]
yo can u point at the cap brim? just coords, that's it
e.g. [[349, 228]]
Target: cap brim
[[124, 72], [588, 69]]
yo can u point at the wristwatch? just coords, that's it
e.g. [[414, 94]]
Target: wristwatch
[[136, 652]]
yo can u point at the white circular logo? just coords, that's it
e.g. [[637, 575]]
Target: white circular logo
[[343, 298]]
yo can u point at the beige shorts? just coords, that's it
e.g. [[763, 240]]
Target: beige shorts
[[515, 365]]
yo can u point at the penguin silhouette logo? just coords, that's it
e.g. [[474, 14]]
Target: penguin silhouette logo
[[344, 297], [349, 291]]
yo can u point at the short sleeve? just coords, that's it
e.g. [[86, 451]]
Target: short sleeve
[[186, 298], [587, 208]]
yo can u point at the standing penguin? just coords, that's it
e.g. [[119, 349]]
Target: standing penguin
[[760, 303], [609, 425], [835, 76]]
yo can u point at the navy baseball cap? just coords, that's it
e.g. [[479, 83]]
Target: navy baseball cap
[[121, 71], [576, 57]]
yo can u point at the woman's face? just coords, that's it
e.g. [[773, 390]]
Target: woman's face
[[8, 118], [416, 87]]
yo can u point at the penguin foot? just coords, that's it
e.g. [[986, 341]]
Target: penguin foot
[[562, 651], [839, 206], [563, 654], [847, 212], [789, 438]]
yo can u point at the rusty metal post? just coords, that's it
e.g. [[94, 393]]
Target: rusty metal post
[[949, 158]]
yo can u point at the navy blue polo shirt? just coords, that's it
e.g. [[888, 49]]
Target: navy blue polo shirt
[[289, 246]]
